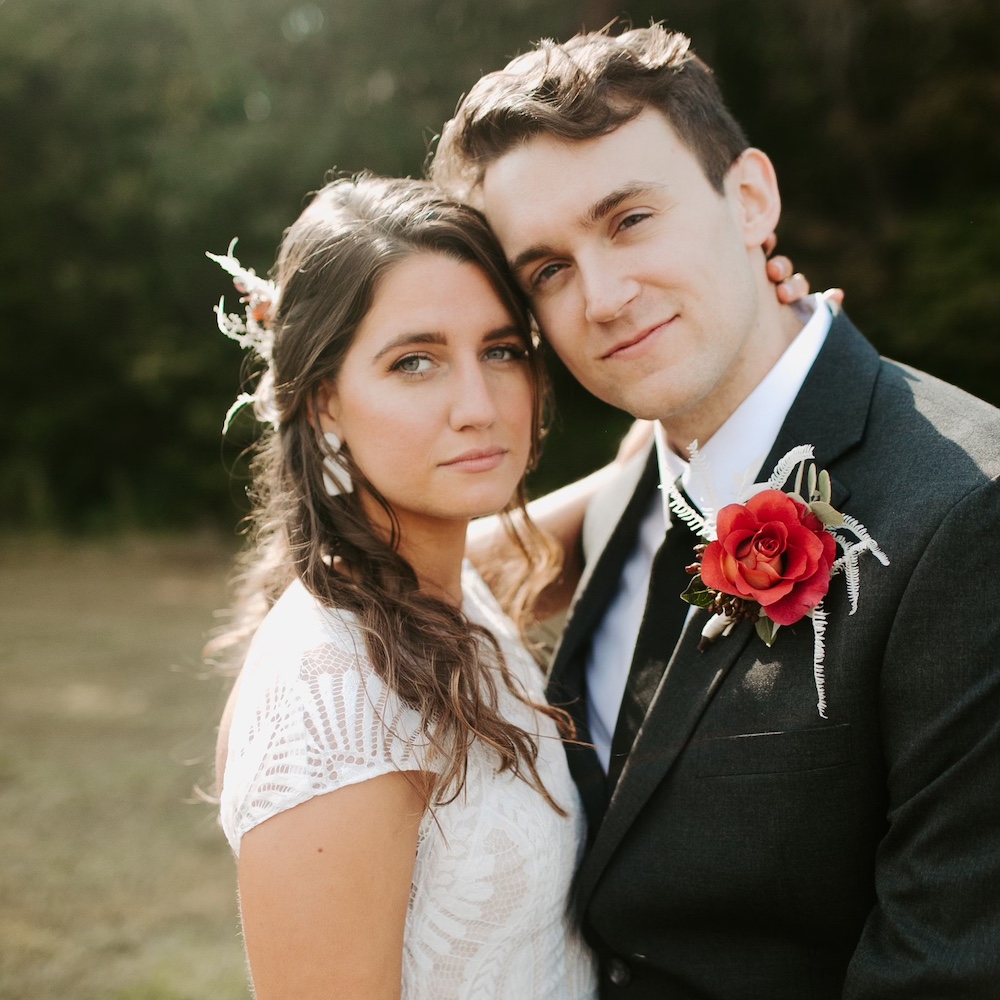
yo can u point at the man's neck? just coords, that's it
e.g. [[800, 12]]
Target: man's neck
[[733, 457], [774, 335]]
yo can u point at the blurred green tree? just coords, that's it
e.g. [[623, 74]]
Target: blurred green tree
[[139, 133]]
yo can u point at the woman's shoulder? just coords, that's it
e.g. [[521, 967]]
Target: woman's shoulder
[[298, 622], [312, 715], [306, 656]]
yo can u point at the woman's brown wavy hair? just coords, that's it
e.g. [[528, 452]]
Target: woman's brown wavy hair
[[328, 271]]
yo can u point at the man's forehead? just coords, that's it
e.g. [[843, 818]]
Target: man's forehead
[[579, 181], [612, 155]]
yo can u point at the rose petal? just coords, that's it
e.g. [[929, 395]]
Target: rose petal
[[712, 573], [773, 505], [805, 596], [798, 564], [762, 577], [734, 517], [737, 543], [765, 598]]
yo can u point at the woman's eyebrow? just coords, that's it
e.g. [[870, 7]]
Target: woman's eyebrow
[[429, 337], [408, 339]]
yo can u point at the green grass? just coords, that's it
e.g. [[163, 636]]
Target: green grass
[[115, 882]]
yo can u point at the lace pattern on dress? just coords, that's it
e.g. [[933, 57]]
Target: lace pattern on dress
[[488, 916]]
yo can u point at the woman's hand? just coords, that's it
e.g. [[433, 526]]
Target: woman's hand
[[790, 285]]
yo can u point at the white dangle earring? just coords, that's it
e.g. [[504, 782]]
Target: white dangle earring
[[335, 476]]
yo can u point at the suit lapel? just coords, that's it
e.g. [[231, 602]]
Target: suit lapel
[[831, 409], [600, 577], [685, 691], [830, 413], [567, 681]]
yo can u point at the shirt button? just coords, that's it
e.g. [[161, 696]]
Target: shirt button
[[618, 972]]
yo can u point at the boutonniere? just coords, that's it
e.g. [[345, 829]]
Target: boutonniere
[[770, 558]]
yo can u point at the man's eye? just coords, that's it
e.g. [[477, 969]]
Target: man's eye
[[633, 220], [545, 274], [412, 364]]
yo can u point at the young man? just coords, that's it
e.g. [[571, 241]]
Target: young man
[[744, 844]]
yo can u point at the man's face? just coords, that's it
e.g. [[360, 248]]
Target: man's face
[[644, 279]]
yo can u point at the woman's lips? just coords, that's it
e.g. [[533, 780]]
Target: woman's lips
[[477, 460]]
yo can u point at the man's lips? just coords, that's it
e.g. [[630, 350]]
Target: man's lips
[[476, 460], [633, 345]]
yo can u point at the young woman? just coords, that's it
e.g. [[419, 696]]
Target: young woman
[[393, 782], [394, 785]]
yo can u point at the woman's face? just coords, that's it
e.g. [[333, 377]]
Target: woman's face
[[434, 399]]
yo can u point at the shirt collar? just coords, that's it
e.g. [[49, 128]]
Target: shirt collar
[[727, 464]]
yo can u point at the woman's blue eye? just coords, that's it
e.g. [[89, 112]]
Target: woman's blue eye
[[505, 352], [412, 364], [502, 353]]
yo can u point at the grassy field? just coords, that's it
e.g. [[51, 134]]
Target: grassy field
[[115, 883]]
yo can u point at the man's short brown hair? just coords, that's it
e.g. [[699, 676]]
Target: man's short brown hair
[[584, 88]]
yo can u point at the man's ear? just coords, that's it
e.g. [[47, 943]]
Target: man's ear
[[327, 408], [753, 185]]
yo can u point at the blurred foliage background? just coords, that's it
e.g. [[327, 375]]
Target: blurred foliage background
[[136, 134]]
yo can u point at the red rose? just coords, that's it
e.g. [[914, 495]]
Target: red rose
[[773, 550]]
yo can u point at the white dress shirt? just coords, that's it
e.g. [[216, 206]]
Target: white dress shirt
[[728, 463]]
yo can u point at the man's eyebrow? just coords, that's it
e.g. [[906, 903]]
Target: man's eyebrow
[[598, 211], [603, 208], [530, 255]]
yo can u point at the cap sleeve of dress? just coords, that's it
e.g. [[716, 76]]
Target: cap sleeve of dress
[[311, 716]]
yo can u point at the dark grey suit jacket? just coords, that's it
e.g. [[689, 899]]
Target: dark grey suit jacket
[[752, 849]]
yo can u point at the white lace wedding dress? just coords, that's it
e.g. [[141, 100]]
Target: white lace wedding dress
[[488, 906]]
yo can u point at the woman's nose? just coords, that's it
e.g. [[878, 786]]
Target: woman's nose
[[473, 403]]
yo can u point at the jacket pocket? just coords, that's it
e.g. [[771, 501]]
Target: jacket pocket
[[774, 753]]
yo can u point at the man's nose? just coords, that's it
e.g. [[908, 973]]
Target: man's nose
[[607, 289]]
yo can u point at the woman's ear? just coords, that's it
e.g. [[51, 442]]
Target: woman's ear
[[753, 185], [327, 408]]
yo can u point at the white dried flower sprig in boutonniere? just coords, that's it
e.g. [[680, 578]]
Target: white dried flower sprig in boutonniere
[[770, 558]]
